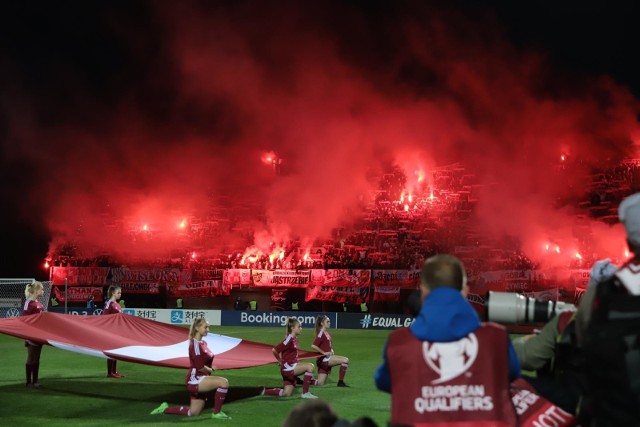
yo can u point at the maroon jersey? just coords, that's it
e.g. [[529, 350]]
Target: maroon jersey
[[111, 307], [32, 307], [323, 341], [288, 350], [465, 382], [199, 356]]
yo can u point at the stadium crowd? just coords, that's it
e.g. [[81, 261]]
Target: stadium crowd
[[397, 229]]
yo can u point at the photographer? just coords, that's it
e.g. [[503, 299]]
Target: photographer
[[608, 326], [555, 355]]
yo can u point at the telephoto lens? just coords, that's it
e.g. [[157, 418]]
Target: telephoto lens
[[516, 309]]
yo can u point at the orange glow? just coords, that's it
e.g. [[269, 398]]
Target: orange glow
[[406, 208], [193, 255], [145, 227], [562, 158], [546, 247], [46, 264], [578, 256], [557, 249], [410, 198], [626, 253], [183, 223]]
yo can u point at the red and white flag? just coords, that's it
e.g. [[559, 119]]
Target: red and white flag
[[134, 339]]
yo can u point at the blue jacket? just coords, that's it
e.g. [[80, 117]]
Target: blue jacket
[[445, 316]]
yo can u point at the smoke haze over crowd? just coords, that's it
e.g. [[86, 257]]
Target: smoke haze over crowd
[[150, 110]]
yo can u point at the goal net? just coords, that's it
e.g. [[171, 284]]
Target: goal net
[[12, 296]]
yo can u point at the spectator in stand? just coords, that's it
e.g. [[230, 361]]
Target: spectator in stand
[[447, 347], [324, 344], [200, 379], [32, 292], [90, 303], [111, 306], [287, 355]]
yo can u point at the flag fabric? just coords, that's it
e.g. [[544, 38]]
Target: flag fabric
[[134, 339]]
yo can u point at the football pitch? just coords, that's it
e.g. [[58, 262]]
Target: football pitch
[[76, 392]]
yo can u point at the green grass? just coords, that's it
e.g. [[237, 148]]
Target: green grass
[[76, 392]]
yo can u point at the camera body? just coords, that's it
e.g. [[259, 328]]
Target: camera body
[[516, 309]]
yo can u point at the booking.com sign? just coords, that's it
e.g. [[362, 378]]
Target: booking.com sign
[[272, 318]]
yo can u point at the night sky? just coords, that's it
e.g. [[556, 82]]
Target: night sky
[[150, 107]]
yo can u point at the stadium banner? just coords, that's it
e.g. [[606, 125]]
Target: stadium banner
[[236, 276], [372, 321], [140, 288], [163, 315], [193, 289], [78, 293], [149, 275], [272, 318], [280, 278], [406, 279], [386, 293], [578, 278], [508, 281], [279, 298], [211, 274], [339, 286], [80, 276]]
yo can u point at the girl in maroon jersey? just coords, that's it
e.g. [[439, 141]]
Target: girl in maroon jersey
[[111, 306], [32, 292], [199, 379], [287, 355], [323, 344]]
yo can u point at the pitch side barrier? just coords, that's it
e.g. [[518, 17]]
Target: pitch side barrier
[[164, 315], [307, 319], [258, 318]]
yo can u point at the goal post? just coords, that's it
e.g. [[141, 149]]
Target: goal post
[[12, 296]]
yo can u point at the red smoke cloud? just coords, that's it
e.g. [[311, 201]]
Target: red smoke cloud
[[339, 93]]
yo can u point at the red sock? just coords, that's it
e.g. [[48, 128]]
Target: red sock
[[221, 394], [273, 392], [185, 411], [343, 371], [308, 376]]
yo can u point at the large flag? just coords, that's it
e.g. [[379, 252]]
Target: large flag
[[133, 339]]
